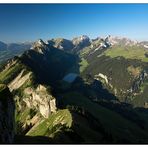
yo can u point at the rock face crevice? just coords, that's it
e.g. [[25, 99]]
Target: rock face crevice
[[7, 109]]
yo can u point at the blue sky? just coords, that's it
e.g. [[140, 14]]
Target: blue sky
[[29, 22]]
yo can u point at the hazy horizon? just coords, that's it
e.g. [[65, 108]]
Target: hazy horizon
[[103, 36]]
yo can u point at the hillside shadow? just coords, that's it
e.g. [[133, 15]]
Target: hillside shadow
[[51, 66], [94, 91], [127, 111]]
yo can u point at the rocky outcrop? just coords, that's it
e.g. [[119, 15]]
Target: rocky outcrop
[[100, 75], [19, 80], [40, 99], [138, 82], [7, 108]]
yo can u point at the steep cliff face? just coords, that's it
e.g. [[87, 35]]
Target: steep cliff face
[[7, 108]]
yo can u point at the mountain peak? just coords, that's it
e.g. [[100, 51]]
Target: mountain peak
[[81, 38], [84, 37], [113, 40], [41, 42], [40, 46], [81, 42]]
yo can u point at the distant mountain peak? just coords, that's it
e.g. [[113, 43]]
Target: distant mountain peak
[[41, 42], [84, 37], [120, 40], [80, 42], [80, 39]]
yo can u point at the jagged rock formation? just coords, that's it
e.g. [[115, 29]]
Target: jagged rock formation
[[40, 46], [115, 40], [36, 102], [81, 42], [7, 108], [61, 43], [39, 99], [74, 45]]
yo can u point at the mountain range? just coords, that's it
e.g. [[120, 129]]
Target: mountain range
[[10, 50], [74, 91]]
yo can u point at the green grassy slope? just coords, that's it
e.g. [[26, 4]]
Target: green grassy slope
[[122, 65], [48, 126], [8, 74], [128, 52]]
